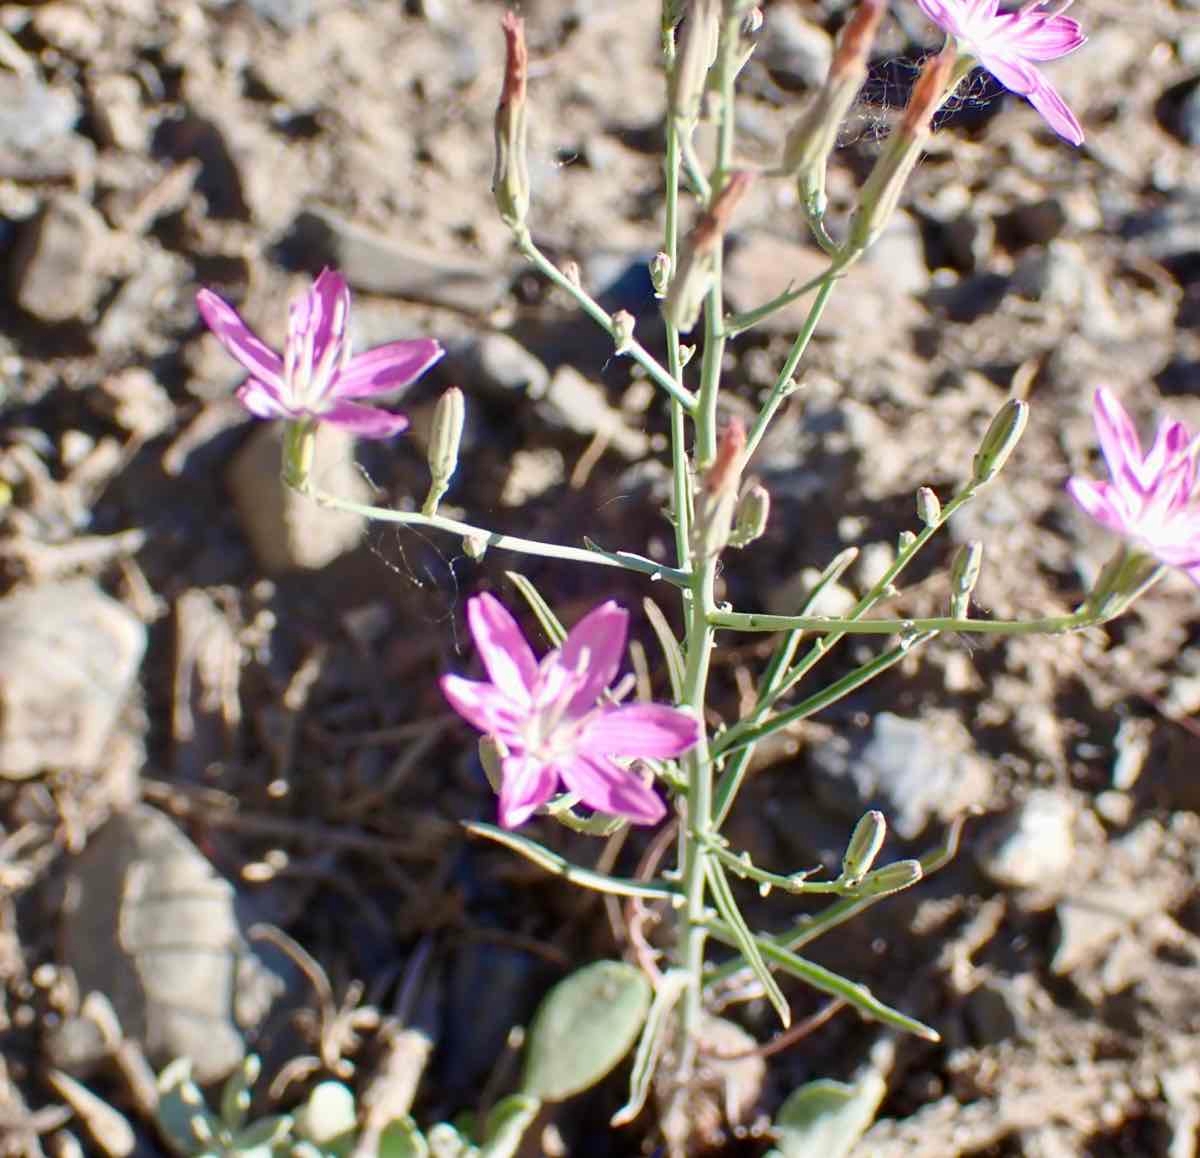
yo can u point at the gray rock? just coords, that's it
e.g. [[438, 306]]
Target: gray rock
[[57, 270], [572, 402], [376, 263], [497, 365], [797, 52], [288, 531], [69, 656], [899, 256], [152, 926], [33, 114], [1035, 846], [761, 266], [915, 771], [1187, 116], [287, 15]]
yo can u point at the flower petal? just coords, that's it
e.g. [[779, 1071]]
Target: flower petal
[[319, 315], [1044, 97], [365, 421], [241, 341], [485, 706], [653, 731], [595, 646], [261, 400], [600, 784], [1096, 500], [1045, 39], [943, 14], [386, 368], [526, 784], [1118, 436], [502, 647]]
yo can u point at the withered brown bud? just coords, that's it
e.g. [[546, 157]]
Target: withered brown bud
[[883, 187], [686, 293], [510, 177]]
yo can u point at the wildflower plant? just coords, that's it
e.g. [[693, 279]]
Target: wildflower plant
[[559, 737]]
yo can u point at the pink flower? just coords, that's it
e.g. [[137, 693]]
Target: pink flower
[[1153, 500], [316, 378], [554, 722], [1008, 44]]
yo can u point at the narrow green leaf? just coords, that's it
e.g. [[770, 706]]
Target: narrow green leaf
[[743, 939], [585, 1025], [824, 1119], [560, 866], [551, 625], [598, 824], [671, 650], [506, 1125], [828, 982], [650, 1045]]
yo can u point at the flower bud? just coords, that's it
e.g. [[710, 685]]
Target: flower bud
[[929, 510], [692, 279], [1124, 577], [717, 501], [660, 273], [750, 518], [695, 52], [964, 575], [475, 546], [622, 330], [445, 438], [865, 843], [809, 144], [510, 177], [883, 187], [904, 541], [890, 879], [491, 757], [1000, 440]]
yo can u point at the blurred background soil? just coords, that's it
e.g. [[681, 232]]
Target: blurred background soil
[[217, 705]]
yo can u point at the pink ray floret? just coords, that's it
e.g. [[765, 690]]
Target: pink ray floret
[[1153, 499], [317, 378], [554, 721], [1011, 44]]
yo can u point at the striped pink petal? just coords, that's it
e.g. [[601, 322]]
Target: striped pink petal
[[602, 785], [502, 647], [386, 368], [595, 645], [239, 340], [654, 731]]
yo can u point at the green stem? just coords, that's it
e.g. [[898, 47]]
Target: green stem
[[486, 538], [631, 346], [681, 491], [741, 866], [750, 732], [808, 928], [783, 383], [696, 821], [756, 621]]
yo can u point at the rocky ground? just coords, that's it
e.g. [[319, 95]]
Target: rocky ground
[[217, 706]]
